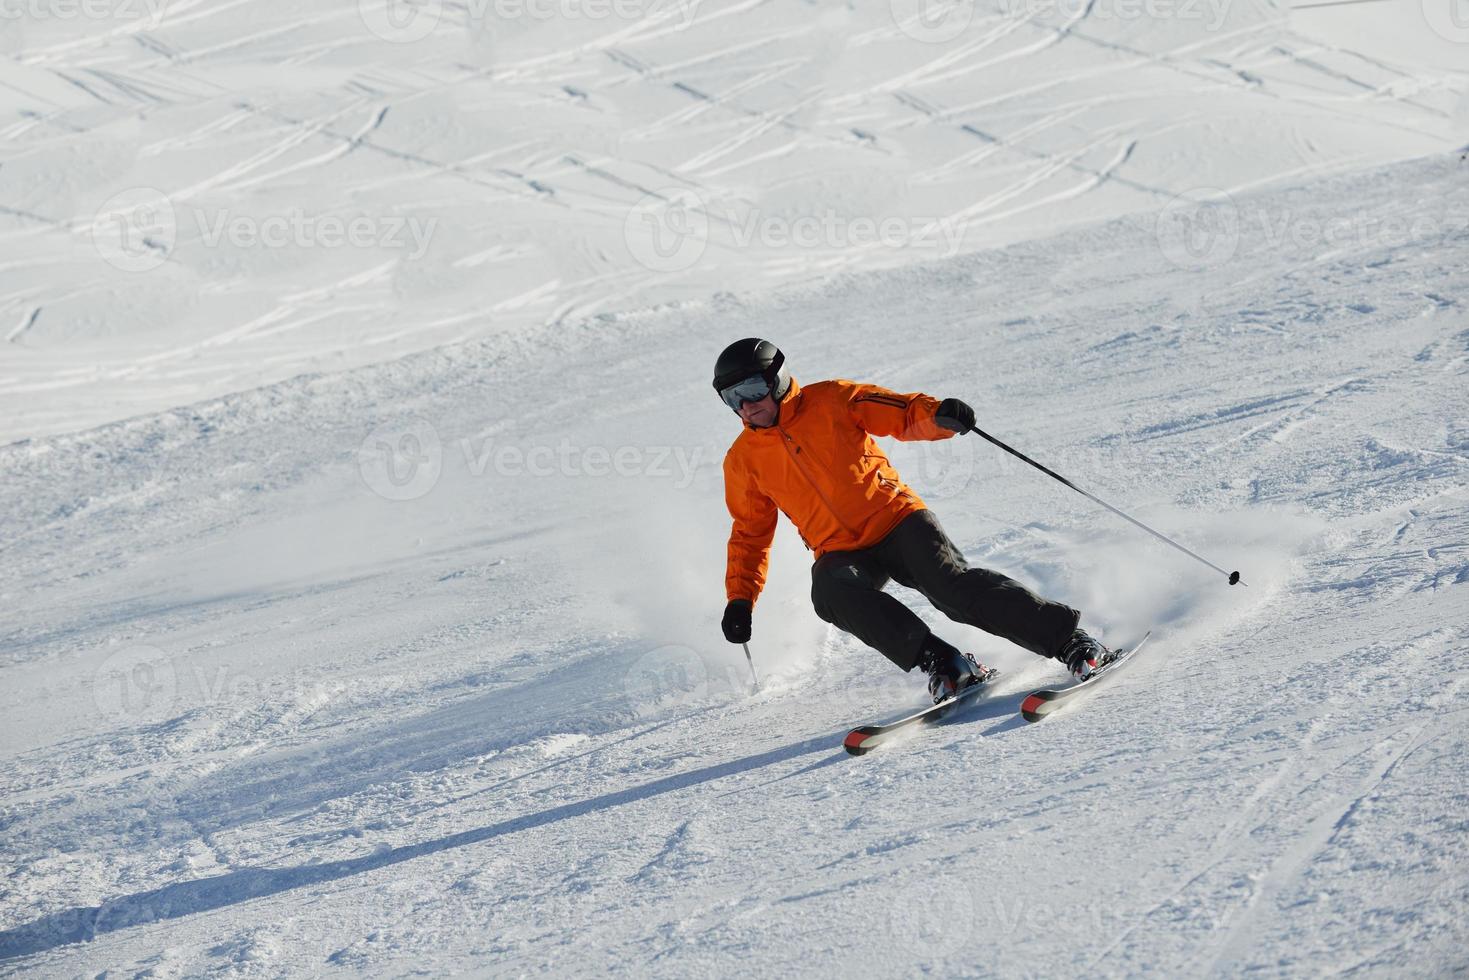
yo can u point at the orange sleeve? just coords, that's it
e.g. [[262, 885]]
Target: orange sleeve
[[881, 412], [749, 538]]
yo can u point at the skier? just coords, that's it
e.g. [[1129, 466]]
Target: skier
[[808, 453]]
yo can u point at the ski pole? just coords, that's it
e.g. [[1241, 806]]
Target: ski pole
[[1232, 576], [751, 661]]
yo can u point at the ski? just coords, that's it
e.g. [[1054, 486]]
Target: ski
[[1039, 704], [860, 741]]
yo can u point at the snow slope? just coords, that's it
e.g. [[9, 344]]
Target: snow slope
[[416, 668], [200, 197]]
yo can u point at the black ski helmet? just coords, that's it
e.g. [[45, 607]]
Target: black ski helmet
[[749, 357]]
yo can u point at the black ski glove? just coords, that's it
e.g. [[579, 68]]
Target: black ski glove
[[736, 622], [954, 414]]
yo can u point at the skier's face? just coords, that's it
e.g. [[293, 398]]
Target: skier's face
[[760, 414]]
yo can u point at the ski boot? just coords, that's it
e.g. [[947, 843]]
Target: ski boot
[[1083, 655], [949, 671]]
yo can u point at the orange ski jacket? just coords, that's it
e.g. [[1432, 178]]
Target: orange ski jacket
[[820, 467]]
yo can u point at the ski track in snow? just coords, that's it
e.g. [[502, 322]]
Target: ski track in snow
[[262, 718], [523, 146]]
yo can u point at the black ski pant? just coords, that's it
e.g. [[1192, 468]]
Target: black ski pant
[[846, 589]]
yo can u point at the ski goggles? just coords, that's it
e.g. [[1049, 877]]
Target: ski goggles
[[752, 389]]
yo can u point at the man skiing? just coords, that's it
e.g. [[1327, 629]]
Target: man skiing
[[809, 453]]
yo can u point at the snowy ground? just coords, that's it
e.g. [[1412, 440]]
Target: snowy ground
[[411, 664], [200, 197], [260, 716]]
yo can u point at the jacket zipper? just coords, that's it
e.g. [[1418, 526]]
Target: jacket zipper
[[794, 455]]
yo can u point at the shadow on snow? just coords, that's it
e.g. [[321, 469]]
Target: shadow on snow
[[221, 891]]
